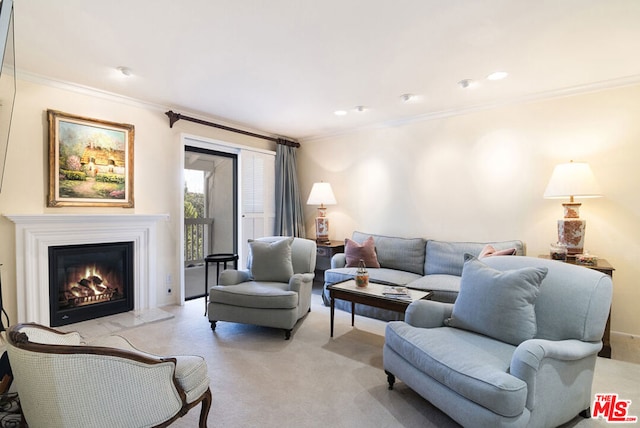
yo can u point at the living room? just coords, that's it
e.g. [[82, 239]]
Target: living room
[[476, 173]]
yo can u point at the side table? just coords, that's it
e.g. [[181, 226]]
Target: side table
[[217, 259], [605, 267], [324, 254]]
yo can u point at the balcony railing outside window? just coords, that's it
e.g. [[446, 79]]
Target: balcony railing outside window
[[198, 233]]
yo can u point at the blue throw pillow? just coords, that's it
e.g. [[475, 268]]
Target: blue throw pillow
[[497, 304], [271, 261]]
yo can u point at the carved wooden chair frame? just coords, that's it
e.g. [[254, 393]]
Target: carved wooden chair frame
[[20, 340]]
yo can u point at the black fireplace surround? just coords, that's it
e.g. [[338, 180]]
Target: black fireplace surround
[[90, 281]]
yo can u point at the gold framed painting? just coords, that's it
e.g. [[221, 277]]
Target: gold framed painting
[[90, 162]]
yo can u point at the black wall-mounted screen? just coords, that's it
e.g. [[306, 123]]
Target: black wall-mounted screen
[[7, 79]]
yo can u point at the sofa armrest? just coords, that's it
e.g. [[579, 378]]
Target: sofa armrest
[[531, 356], [41, 334], [301, 280], [530, 353], [302, 283], [427, 313], [233, 277], [339, 260]]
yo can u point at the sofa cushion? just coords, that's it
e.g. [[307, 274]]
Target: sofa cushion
[[447, 257], [445, 288], [381, 275], [191, 370], [472, 365], [405, 254], [265, 295], [497, 304], [271, 261], [191, 374], [366, 252]]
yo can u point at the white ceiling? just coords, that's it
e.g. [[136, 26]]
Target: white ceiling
[[284, 66]]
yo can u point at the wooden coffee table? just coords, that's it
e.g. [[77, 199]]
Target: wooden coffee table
[[370, 296]]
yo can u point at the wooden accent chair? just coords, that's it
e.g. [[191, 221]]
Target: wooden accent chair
[[105, 383]]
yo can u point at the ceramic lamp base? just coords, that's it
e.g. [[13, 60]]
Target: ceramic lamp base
[[571, 233], [322, 227]]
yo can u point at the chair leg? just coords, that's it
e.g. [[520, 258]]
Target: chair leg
[[213, 325], [391, 379], [204, 412], [287, 334]]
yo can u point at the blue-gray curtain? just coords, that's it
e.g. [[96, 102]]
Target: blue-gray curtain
[[289, 213]]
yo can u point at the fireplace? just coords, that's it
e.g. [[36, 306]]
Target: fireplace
[[90, 281], [37, 232]]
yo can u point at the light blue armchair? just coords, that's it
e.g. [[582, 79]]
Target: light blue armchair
[[275, 290], [497, 369]]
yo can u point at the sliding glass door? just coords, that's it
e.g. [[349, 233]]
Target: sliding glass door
[[228, 199], [210, 212]]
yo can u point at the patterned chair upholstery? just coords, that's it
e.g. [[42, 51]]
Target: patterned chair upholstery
[[63, 382]]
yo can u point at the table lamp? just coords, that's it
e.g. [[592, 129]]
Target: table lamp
[[321, 194], [572, 180]]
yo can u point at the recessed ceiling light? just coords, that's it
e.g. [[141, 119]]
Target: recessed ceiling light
[[126, 71], [466, 83], [411, 98], [497, 75], [340, 112], [407, 97]]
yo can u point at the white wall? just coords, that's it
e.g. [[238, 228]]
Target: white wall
[[481, 176], [157, 169], [478, 176]]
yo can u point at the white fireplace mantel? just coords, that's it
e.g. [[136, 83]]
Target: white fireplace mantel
[[35, 233]]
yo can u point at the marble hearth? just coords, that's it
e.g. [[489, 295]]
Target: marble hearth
[[35, 233]]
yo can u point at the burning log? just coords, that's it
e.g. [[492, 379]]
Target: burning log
[[88, 290]]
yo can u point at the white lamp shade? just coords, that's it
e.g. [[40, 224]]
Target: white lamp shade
[[321, 194], [573, 179]]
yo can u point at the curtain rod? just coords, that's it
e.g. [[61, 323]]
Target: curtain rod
[[174, 117]]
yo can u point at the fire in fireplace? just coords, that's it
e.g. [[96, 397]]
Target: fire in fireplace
[[89, 281]]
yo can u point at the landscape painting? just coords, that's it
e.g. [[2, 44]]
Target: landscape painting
[[90, 162]]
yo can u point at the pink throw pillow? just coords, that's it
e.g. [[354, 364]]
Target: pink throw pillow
[[489, 251], [355, 252]]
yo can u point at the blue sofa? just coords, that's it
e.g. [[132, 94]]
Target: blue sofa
[[485, 366], [423, 264]]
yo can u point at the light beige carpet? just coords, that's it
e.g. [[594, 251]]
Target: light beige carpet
[[260, 380]]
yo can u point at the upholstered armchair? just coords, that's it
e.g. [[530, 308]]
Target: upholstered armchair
[[274, 290], [517, 348], [63, 382]]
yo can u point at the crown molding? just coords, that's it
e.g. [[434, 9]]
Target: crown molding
[[443, 114], [130, 101], [539, 96], [86, 90]]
